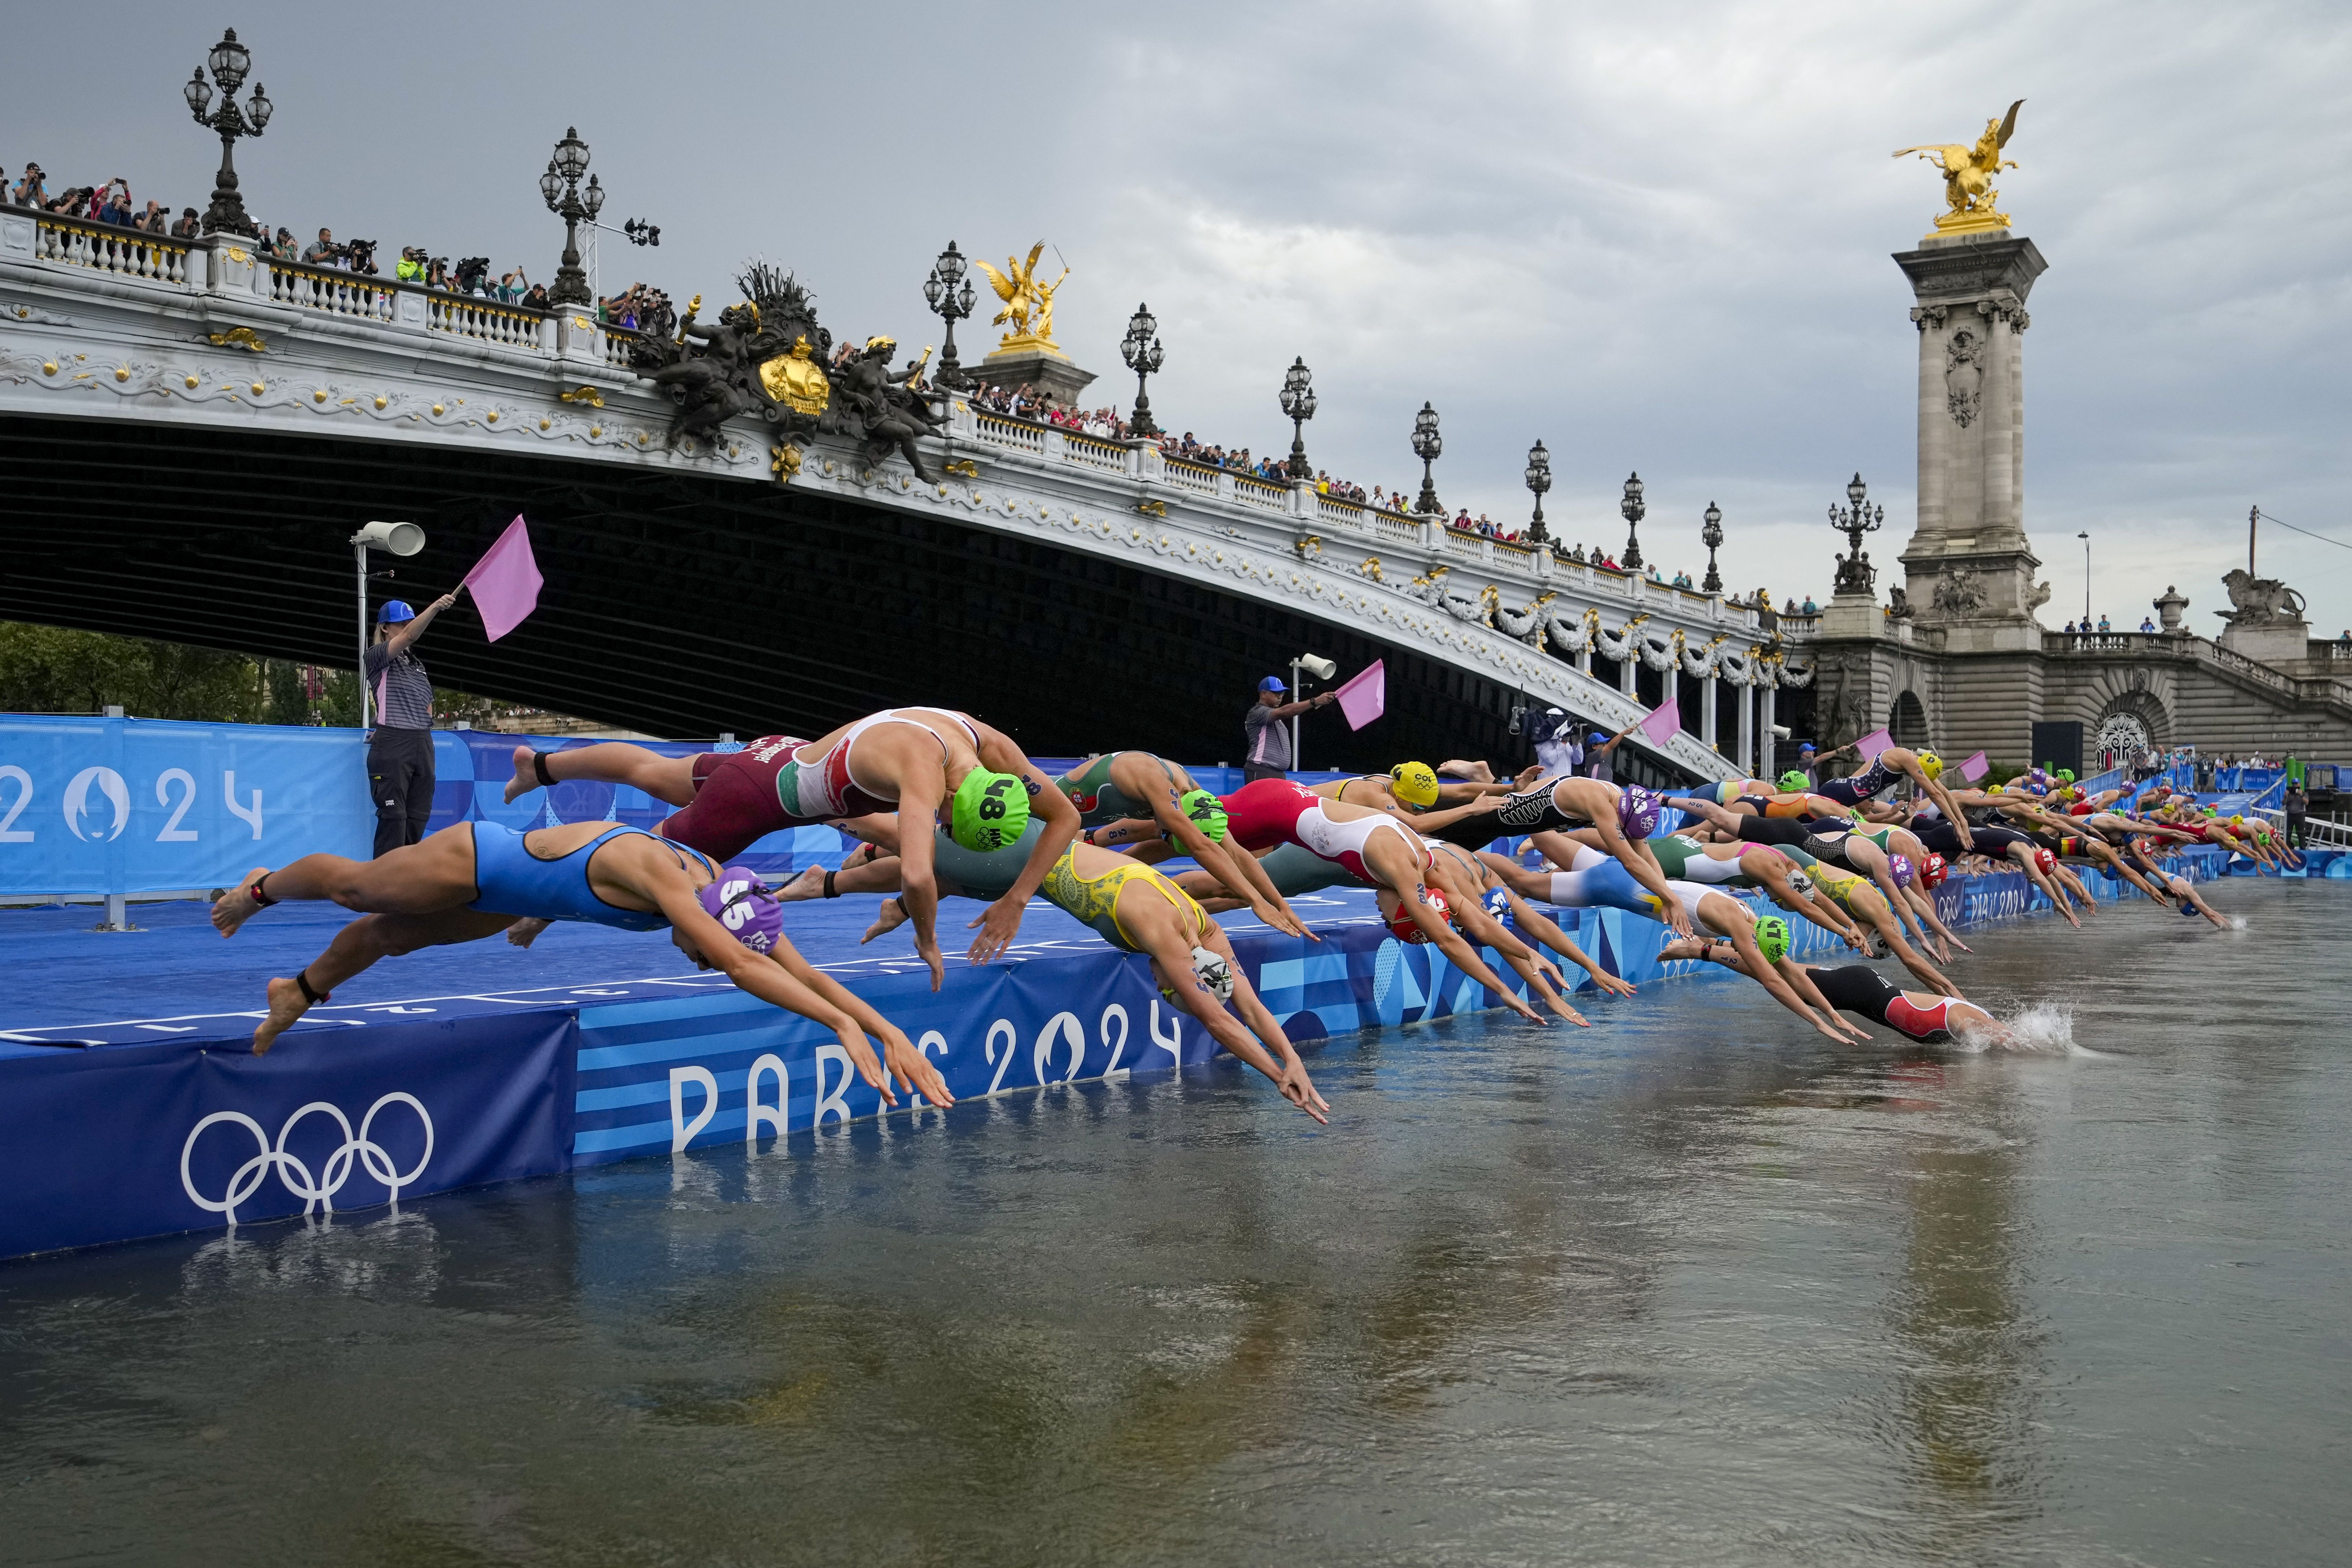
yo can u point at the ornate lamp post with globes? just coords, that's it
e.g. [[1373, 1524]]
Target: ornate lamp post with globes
[[1538, 480], [1854, 573], [561, 186], [1298, 405], [1710, 535], [948, 293], [1633, 508], [1141, 351], [229, 62], [1426, 446]]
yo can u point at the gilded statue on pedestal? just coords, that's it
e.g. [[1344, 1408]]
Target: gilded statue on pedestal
[[1969, 174], [1028, 303]]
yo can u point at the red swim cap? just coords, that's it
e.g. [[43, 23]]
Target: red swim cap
[[1932, 870], [2045, 861], [1401, 924]]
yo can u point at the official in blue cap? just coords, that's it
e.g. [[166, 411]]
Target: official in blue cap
[[400, 747], [1266, 753]]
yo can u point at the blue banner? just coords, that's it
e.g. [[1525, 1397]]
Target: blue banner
[[131, 1141], [134, 806]]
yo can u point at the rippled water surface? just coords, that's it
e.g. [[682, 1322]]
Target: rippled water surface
[[1686, 1287]]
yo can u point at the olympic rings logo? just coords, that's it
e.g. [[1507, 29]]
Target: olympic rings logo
[[319, 1191]]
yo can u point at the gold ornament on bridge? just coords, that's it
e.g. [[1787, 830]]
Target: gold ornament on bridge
[[797, 380], [239, 338], [1028, 303], [1969, 174]]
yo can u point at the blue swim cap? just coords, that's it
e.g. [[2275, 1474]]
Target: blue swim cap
[[2187, 907], [1499, 903]]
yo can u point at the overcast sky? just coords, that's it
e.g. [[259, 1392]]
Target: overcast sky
[[1654, 238]]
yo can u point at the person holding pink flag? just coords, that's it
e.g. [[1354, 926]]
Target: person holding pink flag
[[400, 747]]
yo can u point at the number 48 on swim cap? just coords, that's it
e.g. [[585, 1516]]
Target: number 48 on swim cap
[[989, 811]]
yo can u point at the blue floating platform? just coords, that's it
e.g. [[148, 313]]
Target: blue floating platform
[[131, 1105]]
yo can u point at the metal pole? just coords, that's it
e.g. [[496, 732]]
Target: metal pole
[[1295, 717], [2252, 513], [361, 551]]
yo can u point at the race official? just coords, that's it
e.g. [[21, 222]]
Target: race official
[[400, 749]]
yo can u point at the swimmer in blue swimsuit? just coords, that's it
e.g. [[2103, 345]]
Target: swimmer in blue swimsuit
[[476, 878]]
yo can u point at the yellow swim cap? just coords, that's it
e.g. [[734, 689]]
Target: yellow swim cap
[[1931, 764], [1415, 784]]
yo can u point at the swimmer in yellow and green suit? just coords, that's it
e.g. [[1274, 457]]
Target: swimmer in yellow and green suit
[[1129, 906]]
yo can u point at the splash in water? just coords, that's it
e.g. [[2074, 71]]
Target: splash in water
[[2043, 1027]]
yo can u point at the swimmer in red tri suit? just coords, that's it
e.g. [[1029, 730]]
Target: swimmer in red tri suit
[[913, 759]]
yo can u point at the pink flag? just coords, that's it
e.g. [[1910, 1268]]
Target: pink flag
[[1870, 745], [1974, 768], [1663, 724], [1366, 696], [506, 582]]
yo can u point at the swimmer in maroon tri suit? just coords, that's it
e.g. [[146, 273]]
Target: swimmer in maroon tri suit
[[910, 759]]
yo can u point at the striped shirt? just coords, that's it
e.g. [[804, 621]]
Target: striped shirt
[[403, 693]]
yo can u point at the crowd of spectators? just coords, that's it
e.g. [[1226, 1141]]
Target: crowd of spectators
[[1025, 402], [110, 202], [639, 308]]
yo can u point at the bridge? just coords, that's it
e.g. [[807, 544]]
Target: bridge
[[195, 429]]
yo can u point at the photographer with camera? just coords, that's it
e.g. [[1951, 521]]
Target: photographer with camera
[[323, 252]]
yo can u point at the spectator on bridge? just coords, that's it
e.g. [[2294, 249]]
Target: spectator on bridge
[[323, 252], [2070, 626], [2103, 625], [188, 227], [410, 268], [112, 204], [399, 751], [31, 190], [2146, 625], [1267, 753], [1811, 608]]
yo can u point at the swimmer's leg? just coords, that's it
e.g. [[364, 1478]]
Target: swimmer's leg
[[415, 879], [359, 945], [667, 779]]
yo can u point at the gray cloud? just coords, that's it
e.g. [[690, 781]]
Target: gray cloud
[[1656, 239]]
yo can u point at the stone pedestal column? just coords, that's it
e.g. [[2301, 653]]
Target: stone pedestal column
[[1747, 758], [1970, 570], [1706, 710]]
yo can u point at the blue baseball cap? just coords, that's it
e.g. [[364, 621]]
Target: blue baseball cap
[[1272, 683], [396, 611]]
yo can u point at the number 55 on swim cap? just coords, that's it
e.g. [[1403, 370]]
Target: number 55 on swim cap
[[989, 811]]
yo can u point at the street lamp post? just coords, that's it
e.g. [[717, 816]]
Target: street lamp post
[[229, 62], [1710, 535], [1633, 509], [1538, 481], [1141, 351], [1855, 573], [1426, 446], [948, 293], [561, 186], [2085, 538], [1299, 404]]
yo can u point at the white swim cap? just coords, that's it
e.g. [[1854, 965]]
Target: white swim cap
[[1214, 973]]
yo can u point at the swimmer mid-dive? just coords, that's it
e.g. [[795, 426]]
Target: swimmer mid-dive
[[1861, 990], [1118, 786], [474, 879], [1134, 909], [913, 758], [1620, 818], [1457, 812]]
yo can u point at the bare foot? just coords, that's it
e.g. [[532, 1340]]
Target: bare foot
[[526, 775], [525, 931], [809, 884], [286, 1005], [892, 915], [237, 906]]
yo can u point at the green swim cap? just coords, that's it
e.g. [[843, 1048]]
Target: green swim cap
[[1792, 781], [1772, 938], [1206, 810], [2066, 775], [990, 810]]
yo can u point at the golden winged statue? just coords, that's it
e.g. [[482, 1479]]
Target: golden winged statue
[[1028, 302], [1969, 174]]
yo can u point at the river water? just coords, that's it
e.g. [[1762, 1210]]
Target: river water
[[1690, 1286]]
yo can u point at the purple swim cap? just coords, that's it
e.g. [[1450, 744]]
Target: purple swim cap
[[1903, 870], [744, 905], [1637, 812]]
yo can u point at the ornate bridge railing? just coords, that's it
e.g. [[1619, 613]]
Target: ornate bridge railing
[[105, 247]]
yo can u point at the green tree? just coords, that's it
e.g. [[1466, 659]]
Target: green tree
[[53, 669]]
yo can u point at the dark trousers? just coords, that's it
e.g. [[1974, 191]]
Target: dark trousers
[[399, 780], [1252, 772], [2297, 836]]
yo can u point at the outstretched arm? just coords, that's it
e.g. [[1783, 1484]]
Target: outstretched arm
[[1001, 922]]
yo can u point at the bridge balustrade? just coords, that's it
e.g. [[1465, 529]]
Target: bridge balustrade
[[106, 247]]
